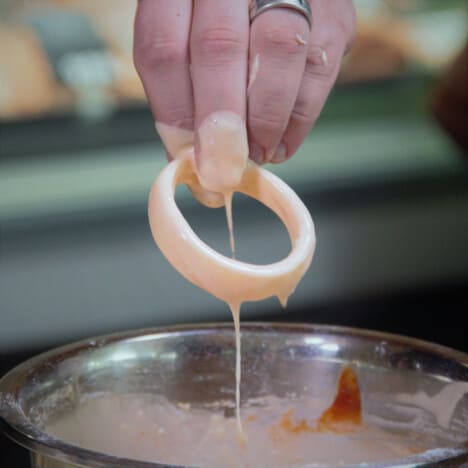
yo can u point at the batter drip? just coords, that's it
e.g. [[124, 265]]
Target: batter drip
[[222, 170]]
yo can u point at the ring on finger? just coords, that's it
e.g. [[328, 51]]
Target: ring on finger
[[257, 7]]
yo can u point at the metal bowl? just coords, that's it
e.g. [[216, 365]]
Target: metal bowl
[[277, 359]]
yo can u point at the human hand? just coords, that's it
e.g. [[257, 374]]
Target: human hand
[[194, 57]]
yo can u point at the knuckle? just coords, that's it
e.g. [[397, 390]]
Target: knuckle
[[343, 26], [280, 40], [351, 31], [151, 52], [317, 67], [304, 113], [346, 29], [219, 42], [180, 118], [267, 112], [266, 122]]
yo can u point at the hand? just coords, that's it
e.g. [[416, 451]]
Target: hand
[[194, 58]]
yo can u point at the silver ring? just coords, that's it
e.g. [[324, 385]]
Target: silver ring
[[257, 7]]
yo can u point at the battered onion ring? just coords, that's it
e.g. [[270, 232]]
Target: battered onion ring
[[231, 280]]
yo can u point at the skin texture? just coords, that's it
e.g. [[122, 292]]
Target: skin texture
[[195, 58]]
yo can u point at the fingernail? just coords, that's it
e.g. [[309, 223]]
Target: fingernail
[[256, 153], [280, 154]]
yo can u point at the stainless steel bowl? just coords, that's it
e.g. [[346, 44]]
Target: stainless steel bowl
[[277, 359]]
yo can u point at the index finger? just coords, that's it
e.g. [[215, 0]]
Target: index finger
[[162, 59], [219, 56]]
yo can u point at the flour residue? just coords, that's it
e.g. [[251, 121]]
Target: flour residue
[[300, 40], [254, 67], [442, 405]]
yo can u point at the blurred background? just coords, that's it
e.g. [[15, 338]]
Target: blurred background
[[384, 174]]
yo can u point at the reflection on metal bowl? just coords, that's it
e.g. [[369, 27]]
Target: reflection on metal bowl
[[411, 390]]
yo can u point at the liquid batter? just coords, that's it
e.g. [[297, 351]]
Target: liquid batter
[[213, 178], [148, 427]]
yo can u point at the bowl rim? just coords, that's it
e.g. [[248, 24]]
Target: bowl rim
[[15, 424]]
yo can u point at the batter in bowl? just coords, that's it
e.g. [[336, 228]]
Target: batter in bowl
[[281, 433]]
